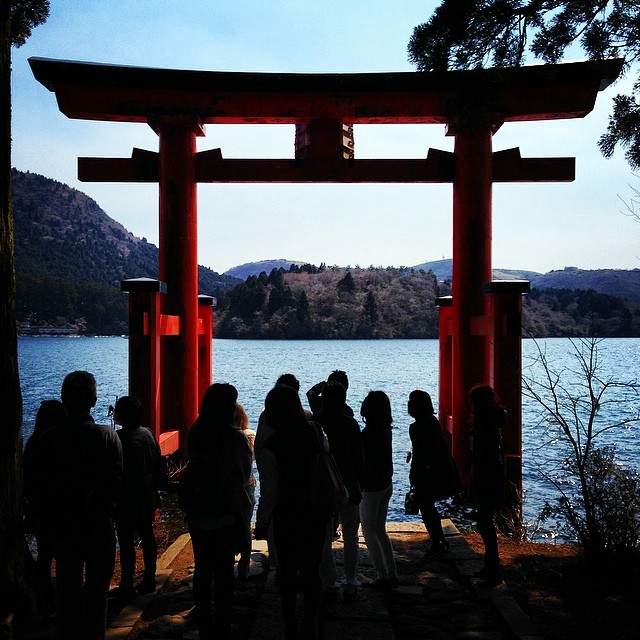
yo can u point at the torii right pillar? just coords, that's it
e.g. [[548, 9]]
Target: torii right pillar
[[472, 185], [480, 334]]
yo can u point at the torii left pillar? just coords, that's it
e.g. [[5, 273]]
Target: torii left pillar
[[178, 265], [171, 327]]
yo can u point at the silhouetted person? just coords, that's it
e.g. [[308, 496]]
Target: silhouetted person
[[50, 414], [314, 395], [263, 433], [377, 487], [144, 472], [214, 482], [79, 467], [299, 528], [345, 443], [432, 473], [242, 422], [487, 482]]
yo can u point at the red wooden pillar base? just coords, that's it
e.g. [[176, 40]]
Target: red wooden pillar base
[[205, 344], [504, 310], [145, 308], [147, 327]]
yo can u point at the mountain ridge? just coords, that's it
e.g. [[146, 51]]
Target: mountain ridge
[[623, 283], [70, 253]]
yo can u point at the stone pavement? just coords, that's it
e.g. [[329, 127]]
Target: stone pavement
[[439, 600]]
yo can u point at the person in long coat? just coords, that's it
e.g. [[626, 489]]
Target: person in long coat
[[433, 474], [299, 526], [212, 494], [487, 482], [51, 413], [144, 473]]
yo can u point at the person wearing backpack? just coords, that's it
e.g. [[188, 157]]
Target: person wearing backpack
[[345, 444], [288, 457], [212, 494], [144, 473]]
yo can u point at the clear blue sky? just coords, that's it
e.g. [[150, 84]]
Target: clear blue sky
[[536, 226]]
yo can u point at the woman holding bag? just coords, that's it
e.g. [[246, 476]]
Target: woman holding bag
[[377, 487]]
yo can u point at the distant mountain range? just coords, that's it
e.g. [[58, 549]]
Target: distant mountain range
[[441, 269], [243, 271], [624, 283]]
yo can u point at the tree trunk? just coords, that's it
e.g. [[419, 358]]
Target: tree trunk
[[17, 593]]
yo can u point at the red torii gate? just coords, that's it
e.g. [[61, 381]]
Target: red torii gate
[[480, 328]]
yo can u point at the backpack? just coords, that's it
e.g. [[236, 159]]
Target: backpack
[[326, 488]]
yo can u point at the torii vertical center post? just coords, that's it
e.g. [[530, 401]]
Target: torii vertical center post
[[480, 329]]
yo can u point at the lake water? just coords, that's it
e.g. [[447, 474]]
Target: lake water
[[395, 366]]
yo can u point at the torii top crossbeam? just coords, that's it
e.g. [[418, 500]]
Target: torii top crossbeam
[[132, 94]]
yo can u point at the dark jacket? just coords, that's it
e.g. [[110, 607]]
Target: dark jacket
[[345, 444], [378, 458], [144, 472], [293, 451], [433, 471], [78, 476], [213, 483], [487, 482]]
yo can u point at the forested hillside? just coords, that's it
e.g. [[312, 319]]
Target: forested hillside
[[320, 302], [579, 312], [311, 302], [71, 256]]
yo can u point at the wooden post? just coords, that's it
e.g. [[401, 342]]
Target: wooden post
[[505, 376], [178, 266], [471, 269]]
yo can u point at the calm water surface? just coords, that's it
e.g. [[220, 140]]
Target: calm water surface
[[395, 366]]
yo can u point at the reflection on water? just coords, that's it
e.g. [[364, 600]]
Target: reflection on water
[[395, 366]]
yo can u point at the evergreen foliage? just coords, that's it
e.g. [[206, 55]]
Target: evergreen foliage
[[577, 312], [500, 33], [312, 303], [24, 16]]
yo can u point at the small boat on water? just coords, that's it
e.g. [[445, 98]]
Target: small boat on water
[[25, 329]]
